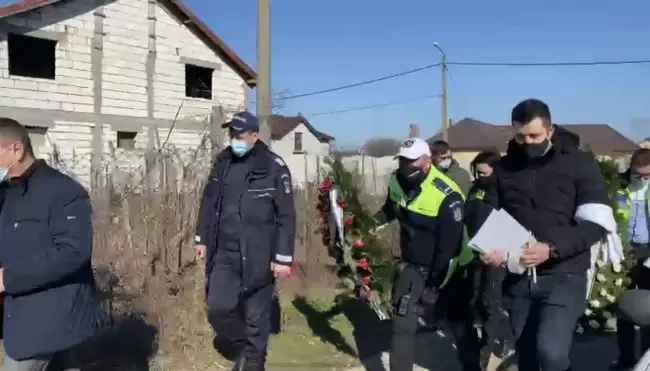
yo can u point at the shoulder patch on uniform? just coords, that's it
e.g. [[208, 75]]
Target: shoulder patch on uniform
[[280, 161], [442, 186], [458, 214]]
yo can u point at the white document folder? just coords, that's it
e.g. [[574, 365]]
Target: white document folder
[[500, 231]]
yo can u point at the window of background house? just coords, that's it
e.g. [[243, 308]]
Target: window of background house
[[297, 142], [126, 140], [37, 137], [198, 81], [32, 57]]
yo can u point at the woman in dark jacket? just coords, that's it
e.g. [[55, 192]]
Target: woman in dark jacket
[[493, 322]]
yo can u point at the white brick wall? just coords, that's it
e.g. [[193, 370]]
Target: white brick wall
[[174, 40], [124, 80], [73, 141], [72, 90]]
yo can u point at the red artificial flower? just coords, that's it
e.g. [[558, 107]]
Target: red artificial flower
[[363, 264], [357, 244], [348, 220], [342, 203], [326, 185], [365, 280]]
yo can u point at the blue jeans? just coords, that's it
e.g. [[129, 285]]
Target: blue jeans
[[543, 317]]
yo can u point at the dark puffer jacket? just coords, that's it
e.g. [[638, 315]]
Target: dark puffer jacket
[[543, 195]]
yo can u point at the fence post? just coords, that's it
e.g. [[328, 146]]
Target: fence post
[[363, 170], [217, 118], [96, 157]]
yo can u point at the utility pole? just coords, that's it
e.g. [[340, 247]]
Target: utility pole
[[444, 121], [263, 98]]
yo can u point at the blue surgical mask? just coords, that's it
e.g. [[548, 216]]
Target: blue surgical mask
[[238, 147], [3, 175]]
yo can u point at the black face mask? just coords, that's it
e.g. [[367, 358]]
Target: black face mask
[[535, 150], [484, 181], [410, 175]]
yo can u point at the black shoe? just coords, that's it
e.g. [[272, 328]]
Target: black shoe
[[502, 349], [228, 349], [621, 364]]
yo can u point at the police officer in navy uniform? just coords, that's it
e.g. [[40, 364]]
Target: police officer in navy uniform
[[245, 231], [429, 208]]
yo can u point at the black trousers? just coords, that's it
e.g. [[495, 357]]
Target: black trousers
[[625, 331], [233, 315], [543, 317], [488, 281], [452, 305]]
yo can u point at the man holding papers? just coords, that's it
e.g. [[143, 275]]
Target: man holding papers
[[429, 208], [544, 182]]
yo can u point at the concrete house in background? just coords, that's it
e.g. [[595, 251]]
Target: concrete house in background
[[83, 73], [301, 146]]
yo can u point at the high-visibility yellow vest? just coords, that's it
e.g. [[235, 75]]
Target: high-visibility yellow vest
[[434, 190], [624, 203]]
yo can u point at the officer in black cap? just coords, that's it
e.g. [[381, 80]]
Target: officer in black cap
[[245, 231]]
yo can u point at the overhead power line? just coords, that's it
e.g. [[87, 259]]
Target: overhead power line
[[378, 105], [470, 64], [400, 74], [548, 64]]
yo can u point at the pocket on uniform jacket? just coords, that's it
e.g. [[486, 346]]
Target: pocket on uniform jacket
[[260, 193]]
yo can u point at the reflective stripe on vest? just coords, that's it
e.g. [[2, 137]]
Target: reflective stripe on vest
[[623, 204], [428, 203], [478, 195]]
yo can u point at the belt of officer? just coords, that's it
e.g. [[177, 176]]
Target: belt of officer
[[635, 245]]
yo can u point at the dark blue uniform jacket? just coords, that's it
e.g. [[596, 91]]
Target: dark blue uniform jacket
[[266, 210], [45, 250]]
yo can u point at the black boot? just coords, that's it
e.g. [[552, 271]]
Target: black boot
[[250, 364], [229, 349]]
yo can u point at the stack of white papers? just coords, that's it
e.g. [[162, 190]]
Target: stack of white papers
[[501, 231]]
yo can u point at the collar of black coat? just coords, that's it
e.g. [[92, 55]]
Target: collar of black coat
[[23, 180], [258, 154], [564, 141]]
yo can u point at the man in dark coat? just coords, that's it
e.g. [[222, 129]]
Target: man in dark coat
[[546, 182], [46, 276], [246, 232]]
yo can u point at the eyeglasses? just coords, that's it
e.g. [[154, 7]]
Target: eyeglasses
[[644, 176]]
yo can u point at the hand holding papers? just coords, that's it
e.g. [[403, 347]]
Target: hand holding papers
[[501, 231]]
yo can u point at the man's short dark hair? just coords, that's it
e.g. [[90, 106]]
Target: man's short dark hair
[[640, 158], [530, 109], [440, 147], [12, 131]]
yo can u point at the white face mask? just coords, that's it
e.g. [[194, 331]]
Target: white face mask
[[5, 171], [444, 164]]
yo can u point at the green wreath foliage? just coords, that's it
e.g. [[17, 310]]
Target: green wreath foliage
[[610, 281]]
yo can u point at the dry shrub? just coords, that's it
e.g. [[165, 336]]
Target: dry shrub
[[151, 283]]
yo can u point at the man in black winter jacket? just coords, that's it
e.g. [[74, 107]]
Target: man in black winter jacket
[[245, 231], [543, 181]]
